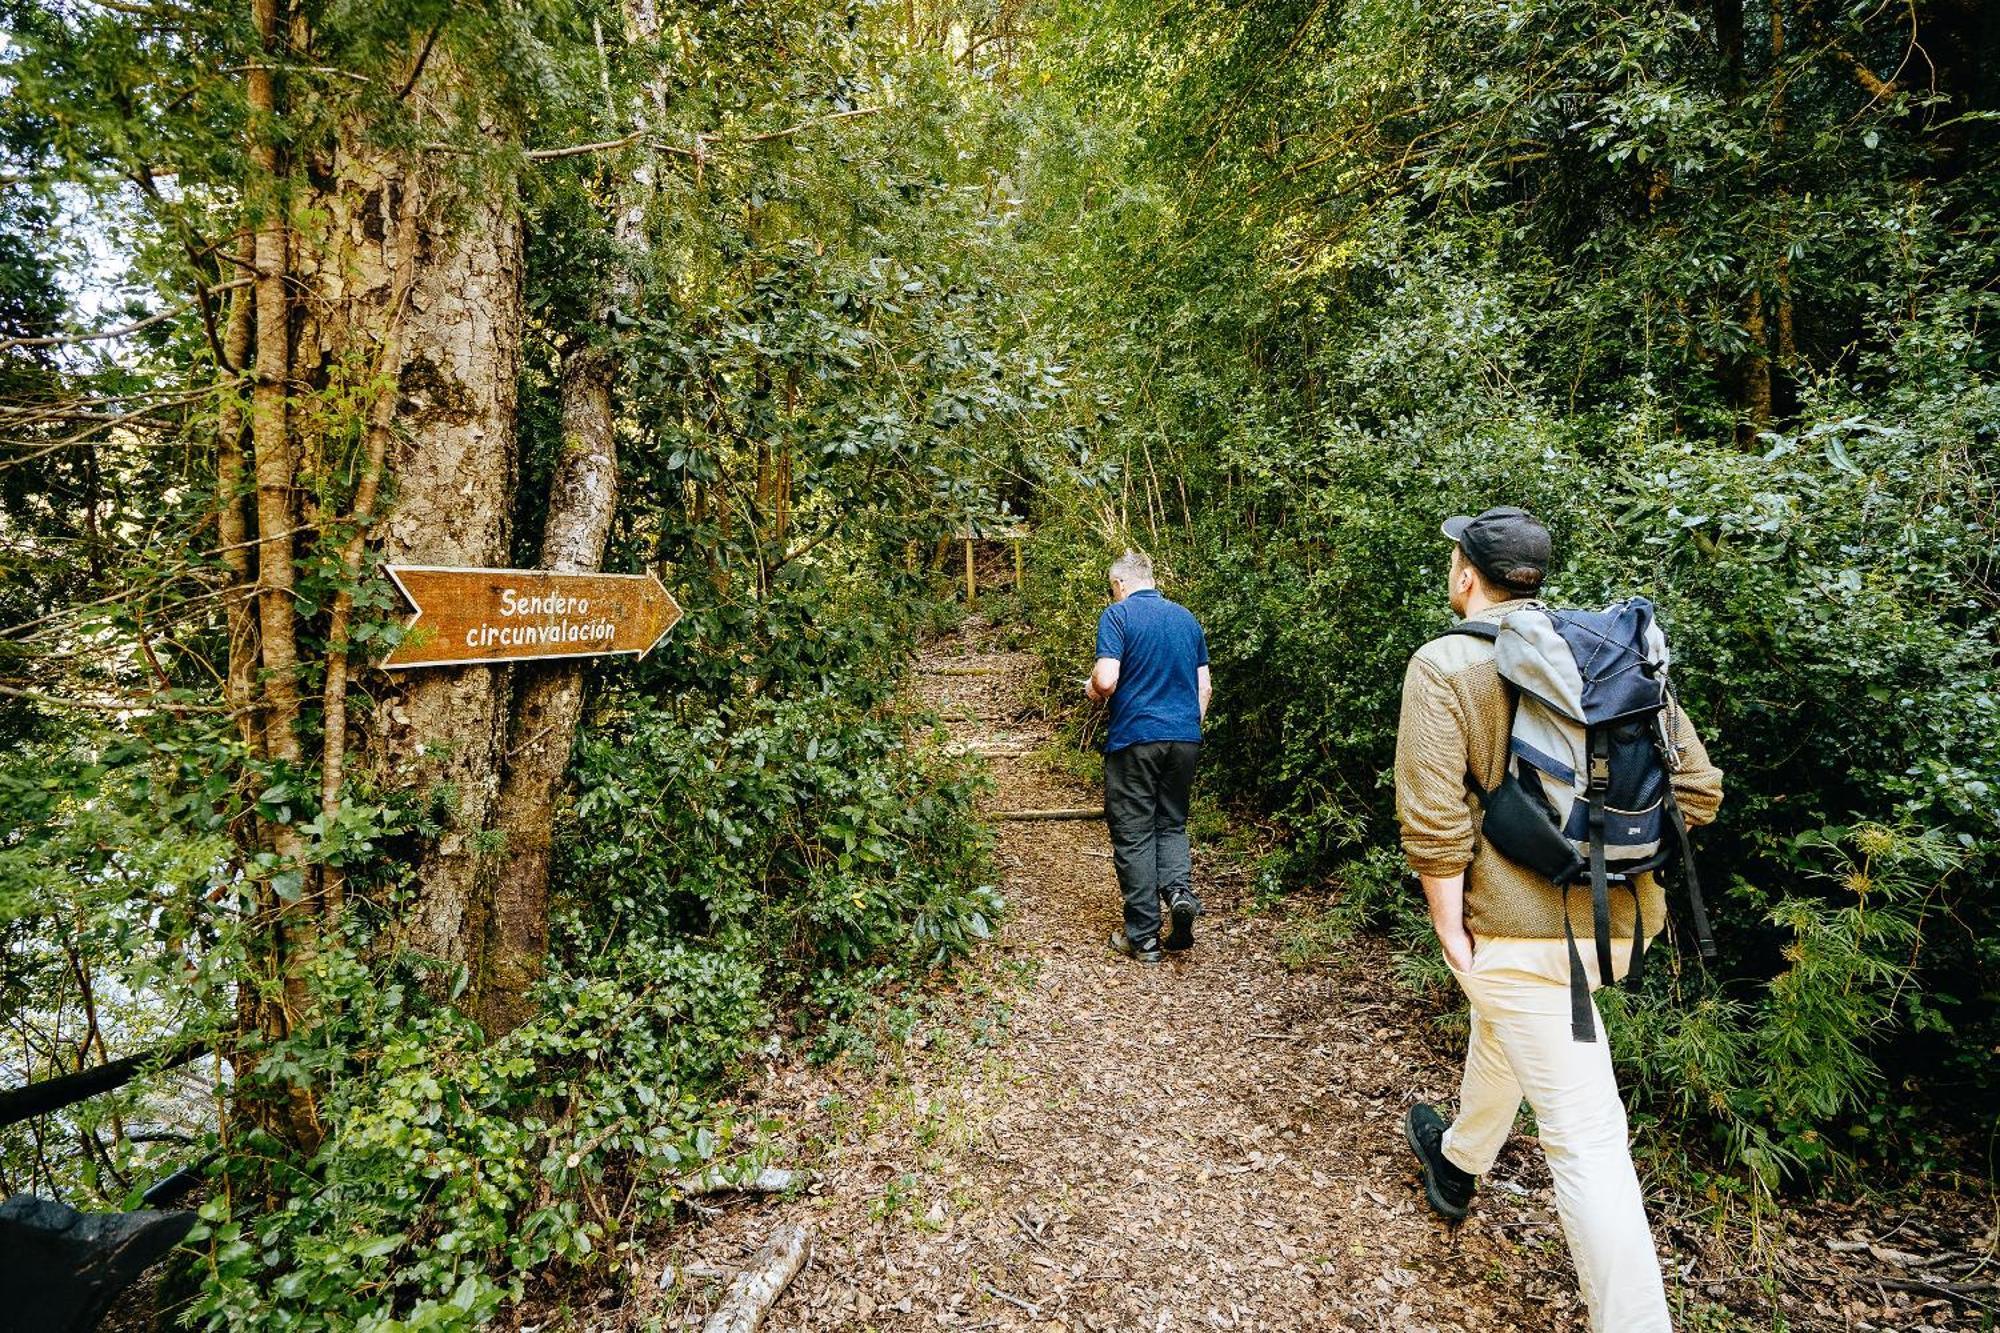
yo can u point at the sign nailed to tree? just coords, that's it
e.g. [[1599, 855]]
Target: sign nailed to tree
[[469, 616]]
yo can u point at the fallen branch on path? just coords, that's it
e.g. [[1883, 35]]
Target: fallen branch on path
[[757, 1288], [719, 1180], [1077, 812], [1971, 1292], [1034, 1311]]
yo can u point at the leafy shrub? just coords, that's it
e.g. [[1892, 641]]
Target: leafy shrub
[[1426, 260], [807, 834], [724, 866]]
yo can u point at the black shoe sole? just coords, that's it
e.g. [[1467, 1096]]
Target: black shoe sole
[[1440, 1205], [1182, 935]]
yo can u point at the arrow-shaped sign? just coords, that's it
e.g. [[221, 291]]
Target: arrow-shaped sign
[[468, 616]]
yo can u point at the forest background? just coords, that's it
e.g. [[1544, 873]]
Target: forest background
[[775, 298]]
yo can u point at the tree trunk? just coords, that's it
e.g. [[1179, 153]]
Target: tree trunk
[[1779, 385], [548, 701], [270, 426], [1754, 400], [441, 730], [232, 518], [1728, 19], [282, 935], [412, 299]]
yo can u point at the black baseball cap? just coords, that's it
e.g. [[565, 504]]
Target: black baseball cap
[[1508, 545]]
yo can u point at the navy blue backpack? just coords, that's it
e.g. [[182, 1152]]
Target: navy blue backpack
[[1586, 798]]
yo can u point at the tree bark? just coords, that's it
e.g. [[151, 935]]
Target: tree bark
[[283, 936], [1779, 387], [1727, 16], [269, 419], [441, 731], [548, 701], [367, 491], [1754, 405], [757, 1288], [232, 519], [412, 293]]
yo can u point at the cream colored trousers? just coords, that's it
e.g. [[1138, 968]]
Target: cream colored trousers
[[1521, 1045]]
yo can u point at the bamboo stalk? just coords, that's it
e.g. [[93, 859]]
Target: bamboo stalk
[[232, 523]]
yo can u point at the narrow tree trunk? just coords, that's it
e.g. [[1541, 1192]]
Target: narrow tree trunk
[[1728, 19], [284, 935], [1780, 388], [232, 519], [269, 423], [548, 701], [1755, 406]]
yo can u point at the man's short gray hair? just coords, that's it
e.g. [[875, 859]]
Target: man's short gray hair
[[1133, 567]]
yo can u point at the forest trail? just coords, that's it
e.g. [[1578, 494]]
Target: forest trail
[[1069, 1140], [1086, 1143]]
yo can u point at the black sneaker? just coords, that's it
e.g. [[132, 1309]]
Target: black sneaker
[[1447, 1187], [1185, 909], [1144, 951]]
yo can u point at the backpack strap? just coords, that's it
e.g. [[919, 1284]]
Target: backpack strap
[[1704, 934], [1475, 629], [1582, 1013]]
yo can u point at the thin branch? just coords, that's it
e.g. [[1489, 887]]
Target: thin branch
[[702, 140], [579, 150], [264, 68], [142, 11], [70, 339], [795, 129], [108, 705], [423, 57]]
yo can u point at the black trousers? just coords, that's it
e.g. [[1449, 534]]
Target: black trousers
[[1146, 791]]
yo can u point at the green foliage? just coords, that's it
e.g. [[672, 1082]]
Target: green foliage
[[816, 358], [460, 1167], [1713, 310], [1265, 288], [830, 845], [723, 867]]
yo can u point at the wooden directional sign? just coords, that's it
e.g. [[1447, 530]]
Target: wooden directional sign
[[468, 616]]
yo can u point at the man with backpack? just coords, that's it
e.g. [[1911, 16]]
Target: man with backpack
[[1543, 774], [1152, 667]]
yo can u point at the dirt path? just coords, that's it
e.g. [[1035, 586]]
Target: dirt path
[[1073, 1141]]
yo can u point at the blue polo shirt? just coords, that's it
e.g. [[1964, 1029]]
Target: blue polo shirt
[[1159, 646]]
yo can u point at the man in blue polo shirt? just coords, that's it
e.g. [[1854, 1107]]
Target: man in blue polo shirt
[[1152, 665]]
